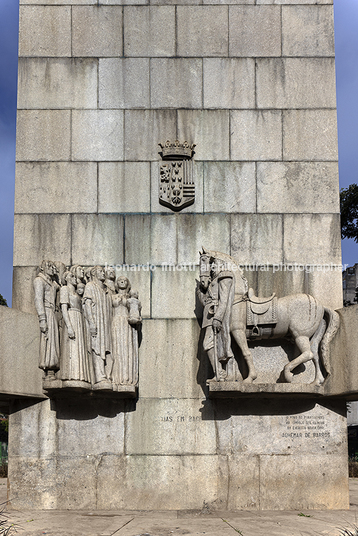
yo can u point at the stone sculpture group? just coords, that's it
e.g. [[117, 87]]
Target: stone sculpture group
[[89, 323], [232, 309]]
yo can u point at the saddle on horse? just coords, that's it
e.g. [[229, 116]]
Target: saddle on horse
[[260, 312]]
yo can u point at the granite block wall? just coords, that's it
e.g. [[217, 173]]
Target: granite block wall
[[252, 84]]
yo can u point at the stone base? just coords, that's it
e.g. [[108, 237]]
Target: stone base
[[238, 389], [171, 454], [65, 387]]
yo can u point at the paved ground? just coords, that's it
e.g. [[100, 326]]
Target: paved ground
[[129, 523]]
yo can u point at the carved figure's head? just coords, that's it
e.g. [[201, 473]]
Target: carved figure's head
[[110, 273], [88, 274], [78, 271], [80, 289], [70, 278], [60, 271], [97, 272], [48, 268], [123, 283]]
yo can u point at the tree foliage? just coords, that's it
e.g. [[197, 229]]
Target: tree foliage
[[3, 301], [349, 212]]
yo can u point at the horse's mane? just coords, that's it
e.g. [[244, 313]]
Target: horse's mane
[[240, 279]]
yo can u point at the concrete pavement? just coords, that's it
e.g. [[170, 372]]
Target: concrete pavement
[[189, 523]]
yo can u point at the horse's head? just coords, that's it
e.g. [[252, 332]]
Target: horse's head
[[205, 269]]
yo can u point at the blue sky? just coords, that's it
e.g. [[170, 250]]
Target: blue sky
[[346, 36]]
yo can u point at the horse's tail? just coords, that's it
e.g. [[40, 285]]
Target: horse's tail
[[332, 328]]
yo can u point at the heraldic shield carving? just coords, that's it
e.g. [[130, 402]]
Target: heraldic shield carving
[[176, 182]]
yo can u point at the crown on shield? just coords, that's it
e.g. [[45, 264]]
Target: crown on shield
[[176, 150]]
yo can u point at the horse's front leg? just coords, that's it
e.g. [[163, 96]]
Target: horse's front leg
[[240, 338], [304, 345]]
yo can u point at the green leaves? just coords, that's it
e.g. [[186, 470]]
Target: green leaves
[[349, 212]]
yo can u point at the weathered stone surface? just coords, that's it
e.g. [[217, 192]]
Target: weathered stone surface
[[229, 187], [23, 289], [149, 31], [68, 2], [151, 239], [176, 83], [172, 448], [209, 129], [57, 83], [53, 31], [204, 230], [249, 242], [43, 135], [97, 31], [202, 31], [34, 234], [97, 135], [197, 206], [170, 427], [251, 2], [97, 239], [256, 135], [144, 129], [22, 327], [50, 187], [328, 482], [343, 378], [123, 187], [77, 434], [328, 277], [175, 342], [296, 83], [297, 187], [302, 429], [282, 281], [297, 241], [124, 83], [229, 83], [244, 484], [310, 135], [260, 31], [163, 283], [307, 30], [296, 2]]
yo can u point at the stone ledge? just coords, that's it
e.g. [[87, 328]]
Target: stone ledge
[[239, 389], [55, 388]]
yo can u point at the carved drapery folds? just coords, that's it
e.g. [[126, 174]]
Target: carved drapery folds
[[89, 323]]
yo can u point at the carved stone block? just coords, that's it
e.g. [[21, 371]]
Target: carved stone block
[[89, 324]]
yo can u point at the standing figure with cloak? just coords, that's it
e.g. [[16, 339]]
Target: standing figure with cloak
[[125, 322], [46, 288], [216, 293], [74, 357], [97, 308]]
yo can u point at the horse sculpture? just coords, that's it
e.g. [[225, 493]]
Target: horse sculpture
[[223, 291]]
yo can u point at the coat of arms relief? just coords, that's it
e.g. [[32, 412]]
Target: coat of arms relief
[[176, 181]]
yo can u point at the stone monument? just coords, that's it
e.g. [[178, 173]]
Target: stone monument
[[113, 98]]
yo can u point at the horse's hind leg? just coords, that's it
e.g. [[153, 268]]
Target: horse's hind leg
[[240, 337], [316, 339], [303, 344]]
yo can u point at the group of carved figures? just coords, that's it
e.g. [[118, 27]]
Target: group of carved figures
[[89, 323]]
